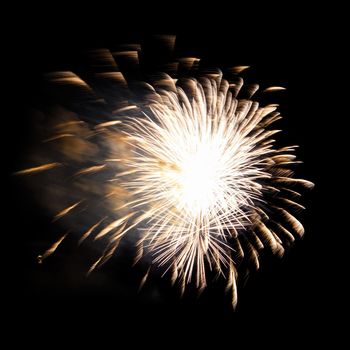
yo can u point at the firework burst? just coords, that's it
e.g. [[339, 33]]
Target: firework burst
[[190, 166]]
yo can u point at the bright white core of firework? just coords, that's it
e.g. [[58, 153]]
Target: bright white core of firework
[[198, 180]]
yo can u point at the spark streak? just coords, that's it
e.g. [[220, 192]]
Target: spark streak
[[38, 169], [52, 249], [66, 210]]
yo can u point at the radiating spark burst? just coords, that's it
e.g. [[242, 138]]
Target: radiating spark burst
[[199, 170], [194, 169]]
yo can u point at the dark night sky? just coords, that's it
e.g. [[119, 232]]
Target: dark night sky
[[286, 47]]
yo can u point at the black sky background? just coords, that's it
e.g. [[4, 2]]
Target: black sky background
[[288, 299]]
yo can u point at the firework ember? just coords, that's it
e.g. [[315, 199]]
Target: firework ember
[[184, 164]]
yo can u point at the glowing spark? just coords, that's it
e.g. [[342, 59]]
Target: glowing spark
[[112, 226], [274, 88], [239, 69], [66, 211], [110, 123], [89, 170], [144, 279], [89, 231], [57, 137], [231, 285], [38, 169], [52, 249]]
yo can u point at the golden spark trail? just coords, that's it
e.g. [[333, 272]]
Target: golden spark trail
[[38, 169]]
